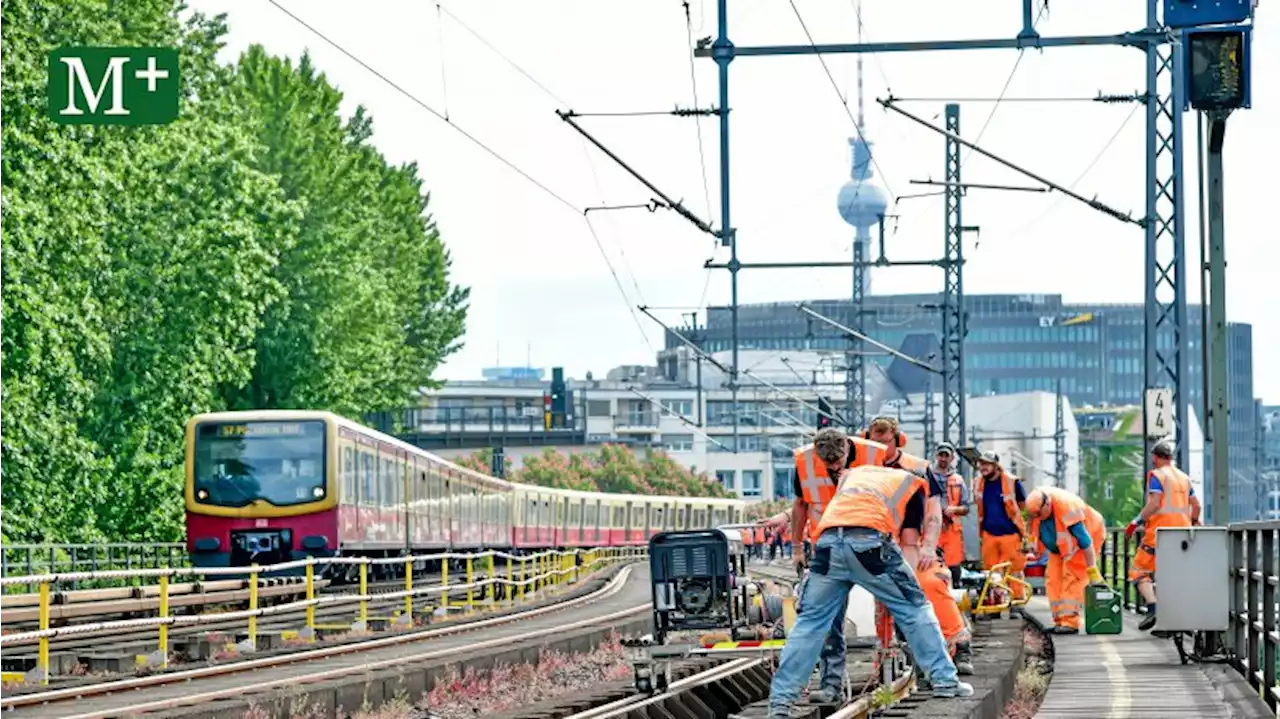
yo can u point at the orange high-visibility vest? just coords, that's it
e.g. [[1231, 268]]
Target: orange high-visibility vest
[[1175, 502], [818, 488], [955, 498], [873, 497], [1067, 510], [1008, 491]]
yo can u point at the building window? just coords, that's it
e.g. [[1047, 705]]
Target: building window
[[782, 485], [726, 478], [677, 442], [751, 483], [677, 407]]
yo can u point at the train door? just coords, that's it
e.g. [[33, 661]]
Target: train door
[[626, 534], [648, 521], [598, 521]]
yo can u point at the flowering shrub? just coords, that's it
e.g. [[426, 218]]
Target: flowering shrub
[[613, 469]]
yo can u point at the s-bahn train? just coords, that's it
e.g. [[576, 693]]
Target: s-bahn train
[[273, 486]]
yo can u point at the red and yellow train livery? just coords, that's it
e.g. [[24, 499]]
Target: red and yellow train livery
[[273, 486]]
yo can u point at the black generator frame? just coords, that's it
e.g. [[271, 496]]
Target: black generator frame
[[721, 567]]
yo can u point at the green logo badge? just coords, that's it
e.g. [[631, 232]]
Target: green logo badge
[[113, 85]]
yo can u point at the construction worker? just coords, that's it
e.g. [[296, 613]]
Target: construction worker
[[952, 539], [872, 507], [1071, 532], [934, 579], [1000, 497], [1171, 502], [818, 466]]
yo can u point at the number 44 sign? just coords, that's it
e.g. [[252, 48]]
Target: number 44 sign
[[1159, 412]]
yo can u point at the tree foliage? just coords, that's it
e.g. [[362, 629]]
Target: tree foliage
[[258, 252], [610, 469]]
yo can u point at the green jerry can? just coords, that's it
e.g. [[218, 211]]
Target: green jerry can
[[1102, 611]]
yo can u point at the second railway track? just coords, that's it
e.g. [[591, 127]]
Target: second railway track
[[617, 600]]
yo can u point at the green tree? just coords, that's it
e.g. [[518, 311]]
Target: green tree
[[368, 312], [612, 468]]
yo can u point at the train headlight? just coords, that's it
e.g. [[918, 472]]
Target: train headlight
[[202, 494], [318, 492]]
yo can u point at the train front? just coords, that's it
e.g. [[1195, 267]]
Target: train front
[[260, 488]]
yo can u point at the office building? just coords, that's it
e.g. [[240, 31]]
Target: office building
[[1015, 343]]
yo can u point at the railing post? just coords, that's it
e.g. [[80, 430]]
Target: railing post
[[363, 621], [510, 578], [253, 605], [444, 585], [1254, 651], [492, 586], [309, 632], [522, 578], [164, 614], [1268, 617], [42, 660], [408, 587], [470, 580]]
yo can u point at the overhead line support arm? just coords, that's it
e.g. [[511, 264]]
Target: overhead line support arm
[[905, 357], [1106, 209], [1139, 39], [673, 204]]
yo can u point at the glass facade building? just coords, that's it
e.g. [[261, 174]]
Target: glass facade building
[[1015, 343]]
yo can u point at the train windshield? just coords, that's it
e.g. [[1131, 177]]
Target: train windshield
[[279, 462]]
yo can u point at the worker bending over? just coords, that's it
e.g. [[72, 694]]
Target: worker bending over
[[1171, 502], [934, 578], [856, 545], [952, 538], [1000, 498], [818, 467], [1071, 532]]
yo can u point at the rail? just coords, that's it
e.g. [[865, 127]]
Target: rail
[[537, 572]]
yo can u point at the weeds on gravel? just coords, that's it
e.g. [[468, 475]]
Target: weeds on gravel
[[1033, 678], [506, 686]]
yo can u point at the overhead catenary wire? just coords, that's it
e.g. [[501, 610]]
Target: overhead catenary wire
[[483, 146], [844, 102], [1044, 6], [697, 123]]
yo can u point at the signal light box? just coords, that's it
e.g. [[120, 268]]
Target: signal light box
[[1195, 13], [1218, 68]]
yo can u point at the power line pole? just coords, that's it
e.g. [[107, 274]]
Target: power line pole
[[855, 393], [1162, 220], [953, 311], [1059, 440]]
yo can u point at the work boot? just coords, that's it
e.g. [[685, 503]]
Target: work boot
[[1147, 622], [958, 690], [964, 658], [826, 695]]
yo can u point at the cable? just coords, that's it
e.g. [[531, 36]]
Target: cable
[[697, 123], [493, 153], [1008, 81], [884, 179], [514, 65], [1083, 173], [444, 78]]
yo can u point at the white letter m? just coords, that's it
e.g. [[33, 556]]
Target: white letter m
[[77, 73]]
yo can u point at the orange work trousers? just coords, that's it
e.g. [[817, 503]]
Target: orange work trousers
[[936, 583], [952, 544], [1064, 582], [998, 550], [1143, 565]]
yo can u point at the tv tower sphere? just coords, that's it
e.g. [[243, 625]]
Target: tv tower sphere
[[861, 202]]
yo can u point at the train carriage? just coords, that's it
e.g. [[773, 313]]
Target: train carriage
[[269, 486]]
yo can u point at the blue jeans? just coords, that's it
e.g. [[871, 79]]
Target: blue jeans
[[831, 662], [845, 557]]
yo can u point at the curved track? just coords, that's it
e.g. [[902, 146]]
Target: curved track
[[621, 597]]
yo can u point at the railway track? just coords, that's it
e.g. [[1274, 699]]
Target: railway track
[[175, 689]]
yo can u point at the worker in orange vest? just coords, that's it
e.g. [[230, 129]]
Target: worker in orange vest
[[952, 539], [934, 578], [818, 466], [1171, 502], [759, 542], [872, 508], [1000, 497], [1071, 532], [748, 543]]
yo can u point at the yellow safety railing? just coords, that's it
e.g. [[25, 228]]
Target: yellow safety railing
[[552, 568]]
